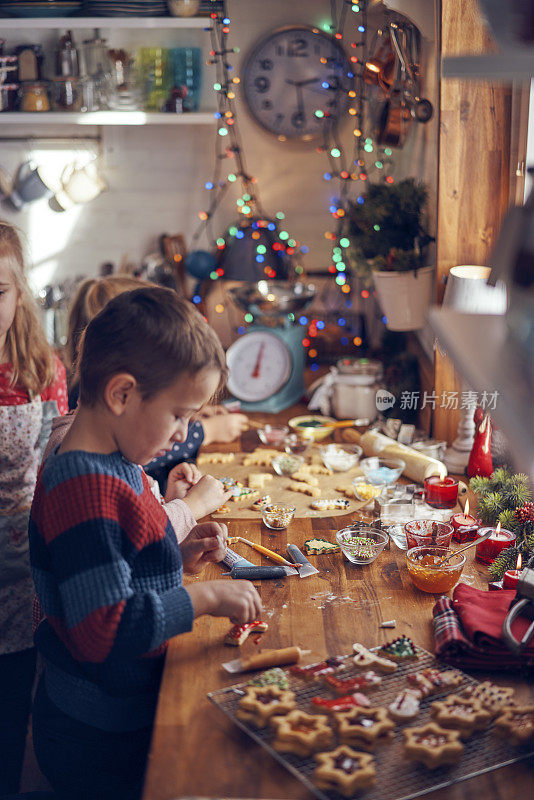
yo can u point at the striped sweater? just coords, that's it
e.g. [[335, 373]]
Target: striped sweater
[[107, 571]]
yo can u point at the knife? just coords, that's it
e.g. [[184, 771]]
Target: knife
[[304, 567]]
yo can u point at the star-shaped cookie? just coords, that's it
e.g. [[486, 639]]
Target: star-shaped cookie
[[301, 733], [432, 745], [261, 703], [517, 724], [344, 770], [364, 726], [461, 714]]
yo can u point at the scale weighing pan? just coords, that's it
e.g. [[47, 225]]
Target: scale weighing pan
[[272, 298]]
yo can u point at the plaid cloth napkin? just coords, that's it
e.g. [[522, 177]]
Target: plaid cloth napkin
[[467, 630]]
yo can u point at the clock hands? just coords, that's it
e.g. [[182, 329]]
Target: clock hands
[[298, 84], [256, 370]]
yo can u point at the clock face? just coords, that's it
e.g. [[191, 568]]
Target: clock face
[[259, 364], [291, 75]]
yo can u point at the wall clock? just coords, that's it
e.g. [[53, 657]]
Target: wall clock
[[290, 75]]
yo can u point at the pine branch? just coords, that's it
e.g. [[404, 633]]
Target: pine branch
[[505, 561]]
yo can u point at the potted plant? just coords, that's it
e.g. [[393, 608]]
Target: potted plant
[[388, 248]]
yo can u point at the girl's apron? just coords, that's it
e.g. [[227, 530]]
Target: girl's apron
[[21, 440]]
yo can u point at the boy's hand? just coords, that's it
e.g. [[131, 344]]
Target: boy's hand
[[237, 600], [180, 479], [206, 496], [205, 542]]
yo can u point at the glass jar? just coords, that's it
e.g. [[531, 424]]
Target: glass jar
[[34, 96], [354, 389], [68, 94]]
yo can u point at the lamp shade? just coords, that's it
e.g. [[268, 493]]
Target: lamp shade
[[467, 291]]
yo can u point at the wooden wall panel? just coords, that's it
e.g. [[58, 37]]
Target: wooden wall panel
[[474, 171]]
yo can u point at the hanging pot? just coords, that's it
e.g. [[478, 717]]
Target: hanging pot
[[381, 58], [393, 123]]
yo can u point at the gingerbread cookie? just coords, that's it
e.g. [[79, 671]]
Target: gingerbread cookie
[[240, 633], [400, 649], [348, 491], [261, 501], [432, 746], [261, 703], [365, 658], [405, 706], [315, 469], [344, 770], [301, 733], [215, 458], [223, 509], [493, 698], [364, 726], [303, 477], [271, 677], [257, 480], [313, 547], [312, 672], [431, 681], [304, 488], [259, 458], [333, 705], [461, 714], [331, 504], [369, 680], [517, 724]]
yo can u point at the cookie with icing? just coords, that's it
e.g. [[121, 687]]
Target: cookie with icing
[[334, 704], [261, 501], [493, 698], [405, 706], [314, 547], [271, 677], [365, 658], [516, 724], [369, 680], [364, 727], [332, 503], [463, 714], [431, 681], [261, 703], [313, 672], [432, 745], [344, 770], [400, 649], [301, 733], [240, 633]]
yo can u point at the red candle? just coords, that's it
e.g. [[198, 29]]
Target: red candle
[[465, 525], [488, 550], [441, 493], [511, 576]]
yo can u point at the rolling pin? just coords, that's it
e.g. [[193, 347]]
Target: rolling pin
[[418, 466]]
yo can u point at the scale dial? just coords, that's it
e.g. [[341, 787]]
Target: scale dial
[[259, 365]]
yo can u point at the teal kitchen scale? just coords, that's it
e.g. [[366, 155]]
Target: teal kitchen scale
[[266, 364]]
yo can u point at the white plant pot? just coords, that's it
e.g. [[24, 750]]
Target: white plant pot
[[404, 297]]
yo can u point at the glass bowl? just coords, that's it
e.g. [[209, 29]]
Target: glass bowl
[[295, 444], [277, 516], [427, 575], [365, 490], [382, 470], [428, 532], [312, 427], [286, 464], [273, 434], [340, 457], [361, 544]]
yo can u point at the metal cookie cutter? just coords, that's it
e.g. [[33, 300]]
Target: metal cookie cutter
[[521, 605]]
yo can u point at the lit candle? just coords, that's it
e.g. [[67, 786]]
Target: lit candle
[[511, 576], [465, 525], [441, 493], [488, 550]]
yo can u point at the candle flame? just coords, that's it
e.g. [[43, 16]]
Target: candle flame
[[498, 529], [518, 565], [466, 509]]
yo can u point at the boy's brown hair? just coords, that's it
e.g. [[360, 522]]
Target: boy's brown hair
[[150, 333]]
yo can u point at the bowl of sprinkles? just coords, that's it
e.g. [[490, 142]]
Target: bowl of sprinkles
[[360, 544], [277, 516]]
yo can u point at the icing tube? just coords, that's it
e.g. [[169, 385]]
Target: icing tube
[[233, 559], [272, 658]]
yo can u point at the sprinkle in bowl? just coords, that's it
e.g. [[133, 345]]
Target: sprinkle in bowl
[[365, 490], [273, 434], [340, 457], [286, 464], [277, 516], [382, 470], [361, 544]]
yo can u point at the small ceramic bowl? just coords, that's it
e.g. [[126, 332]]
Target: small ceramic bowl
[[286, 464], [365, 490], [273, 434], [340, 457], [312, 427], [426, 572], [361, 544], [382, 470], [277, 516]]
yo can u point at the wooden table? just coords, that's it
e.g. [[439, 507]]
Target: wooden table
[[197, 751]]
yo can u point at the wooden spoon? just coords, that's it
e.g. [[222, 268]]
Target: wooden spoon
[[471, 544]]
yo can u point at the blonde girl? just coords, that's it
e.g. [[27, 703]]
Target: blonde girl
[[32, 391]]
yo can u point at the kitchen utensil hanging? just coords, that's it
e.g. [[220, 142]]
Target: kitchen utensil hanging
[[394, 118]]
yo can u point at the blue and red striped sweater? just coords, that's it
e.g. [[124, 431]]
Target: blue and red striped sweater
[[107, 571]]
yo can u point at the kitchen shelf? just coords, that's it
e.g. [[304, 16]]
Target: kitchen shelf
[[507, 66], [487, 359], [117, 118], [76, 23]]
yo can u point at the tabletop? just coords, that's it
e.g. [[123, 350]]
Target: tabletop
[[197, 751]]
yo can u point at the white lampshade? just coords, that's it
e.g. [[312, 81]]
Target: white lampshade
[[467, 291]]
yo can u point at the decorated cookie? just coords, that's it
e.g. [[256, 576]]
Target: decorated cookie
[[405, 706], [312, 672], [431, 681], [257, 480], [215, 458], [332, 705], [400, 649], [463, 714], [239, 633], [432, 746], [242, 493], [344, 770], [493, 698], [229, 483], [305, 477], [261, 703], [261, 501], [364, 726], [314, 547], [369, 680], [331, 504], [301, 733], [364, 658], [516, 724], [315, 469], [271, 677], [223, 509], [304, 488]]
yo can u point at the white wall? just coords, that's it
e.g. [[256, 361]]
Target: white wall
[[156, 175]]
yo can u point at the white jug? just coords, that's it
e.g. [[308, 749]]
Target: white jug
[[80, 185]]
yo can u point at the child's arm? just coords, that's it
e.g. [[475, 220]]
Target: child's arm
[[224, 427]]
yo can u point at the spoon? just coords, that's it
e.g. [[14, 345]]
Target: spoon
[[467, 546]]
